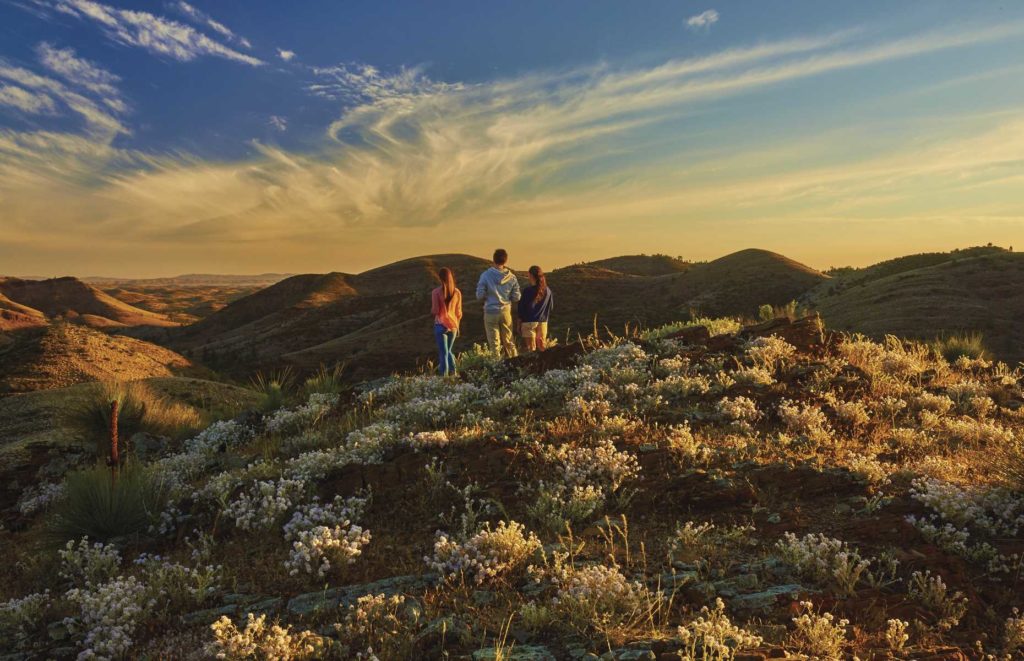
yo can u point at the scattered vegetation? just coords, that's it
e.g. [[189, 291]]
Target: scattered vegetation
[[965, 345], [803, 494]]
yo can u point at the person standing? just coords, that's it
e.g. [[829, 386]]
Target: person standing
[[498, 288], [446, 306], [535, 308]]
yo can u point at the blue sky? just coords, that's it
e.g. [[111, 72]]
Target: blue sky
[[250, 136]]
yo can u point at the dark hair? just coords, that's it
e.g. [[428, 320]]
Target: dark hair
[[542, 283], [447, 278], [500, 256]]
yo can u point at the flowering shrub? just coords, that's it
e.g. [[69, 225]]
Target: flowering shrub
[[742, 410], [896, 636], [379, 623], [806, 419], [601, 465], [707, 545], [176, 587], [753, 376], [38, 498], [487, 555], [599, 595], [265, 503], [769, 353], [713, 637], [85, 564], [321, 533], [825, 560], [284, 421], [854, 414], [996, 511], [932, 593], [108, 614], [428, 439], [819, 635], [21, 615], [556, 506], [224, 434], [1013, 633], [261, 641]]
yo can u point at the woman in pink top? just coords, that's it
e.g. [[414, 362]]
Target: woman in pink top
[[446, 306]]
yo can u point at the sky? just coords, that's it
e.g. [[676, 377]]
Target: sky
[[145, 139]]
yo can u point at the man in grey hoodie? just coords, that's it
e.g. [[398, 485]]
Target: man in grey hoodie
[[498, 288]]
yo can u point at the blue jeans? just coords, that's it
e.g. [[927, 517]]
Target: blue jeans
[[445, 357]]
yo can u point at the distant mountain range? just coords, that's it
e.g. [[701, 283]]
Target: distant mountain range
[[378, 321]]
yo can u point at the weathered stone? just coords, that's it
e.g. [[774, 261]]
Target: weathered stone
[[517, 653], [266, 607], [766, 598], [442, 631], [147, 447], [342, 597], [57, 631], [209, 615]]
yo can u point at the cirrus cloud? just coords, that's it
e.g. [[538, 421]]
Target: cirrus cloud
[[142, 29], [703, 20]]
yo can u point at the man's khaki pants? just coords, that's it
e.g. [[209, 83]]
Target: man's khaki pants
[[498, 326]]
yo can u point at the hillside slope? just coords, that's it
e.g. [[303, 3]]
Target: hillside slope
[[74, 300], [982, 293], [14, 316], [281, 323], [378, 321], [64, 354], [643, 264]]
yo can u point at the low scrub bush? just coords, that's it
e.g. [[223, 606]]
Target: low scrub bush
[[964, 345], [101, 507], [275, 388]]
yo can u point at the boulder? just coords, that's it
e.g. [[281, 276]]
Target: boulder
[[517, 653], [147, 447]]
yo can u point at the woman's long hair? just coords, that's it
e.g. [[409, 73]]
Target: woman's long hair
[[447, 278], [542, 283]]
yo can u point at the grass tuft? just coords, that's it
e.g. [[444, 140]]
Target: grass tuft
[[275, 388], [103, 508], [139, 410], [952, 347]]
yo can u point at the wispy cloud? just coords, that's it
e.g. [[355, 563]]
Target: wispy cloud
[[703, 20], [100, 114], [202, 18], [82, 73], [153, 33], [286, 55], [26, 101], [278, 122], [409, 151]]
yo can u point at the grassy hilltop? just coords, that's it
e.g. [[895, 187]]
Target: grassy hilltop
[[700, 491]]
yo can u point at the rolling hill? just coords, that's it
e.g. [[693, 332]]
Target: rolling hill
[[63, 354], [15, 316], [931, 295], [378, 321], [73, 300]]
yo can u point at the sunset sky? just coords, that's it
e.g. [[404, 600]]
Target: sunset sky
[[244, 136]]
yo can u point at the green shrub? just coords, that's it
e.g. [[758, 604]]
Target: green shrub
[[102, 507], [719, 326], [275, 388], [139, 410], [327, 381], [479, 361], [952, 347]]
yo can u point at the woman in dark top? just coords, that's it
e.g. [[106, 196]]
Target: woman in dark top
[[535, 308]]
